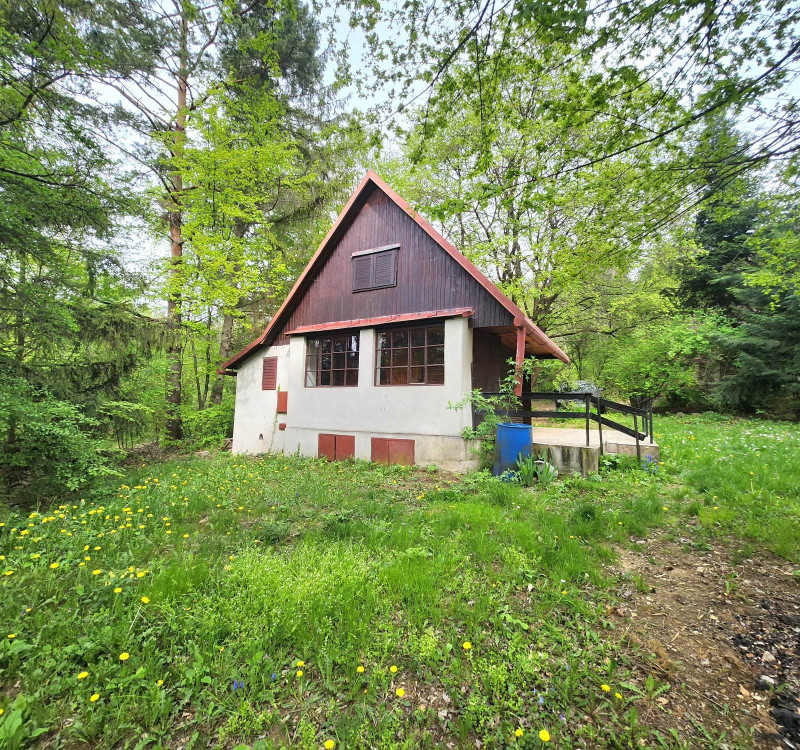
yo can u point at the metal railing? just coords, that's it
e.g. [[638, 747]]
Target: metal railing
[[601, 405]]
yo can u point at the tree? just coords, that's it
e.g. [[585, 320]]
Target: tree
[[496, 172], [736, 58]]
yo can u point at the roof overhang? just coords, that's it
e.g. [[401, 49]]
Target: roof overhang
[[542, 341], [383, 320]]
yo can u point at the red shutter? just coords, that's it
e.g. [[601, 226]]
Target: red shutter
[[283, 401], [401, 452], [345, 447], [380, 451], [362, 272], [326, 446], [269, 374], [385, 269]]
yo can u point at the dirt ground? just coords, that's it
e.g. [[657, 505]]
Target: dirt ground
[[722, 630]]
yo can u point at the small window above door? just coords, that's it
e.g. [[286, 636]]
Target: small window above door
[[375, 268]]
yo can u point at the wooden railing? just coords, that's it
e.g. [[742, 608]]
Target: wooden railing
[[642, 418]]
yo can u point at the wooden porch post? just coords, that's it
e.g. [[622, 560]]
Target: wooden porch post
[[520, 358]]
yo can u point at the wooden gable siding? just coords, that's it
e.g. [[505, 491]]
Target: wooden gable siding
[[427, 277]]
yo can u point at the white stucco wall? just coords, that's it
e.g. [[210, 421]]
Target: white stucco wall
[[418, 412]]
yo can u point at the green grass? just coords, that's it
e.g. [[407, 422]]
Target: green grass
[[251, 566]]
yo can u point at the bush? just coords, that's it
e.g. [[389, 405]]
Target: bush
[[47, 444], [210, 427]]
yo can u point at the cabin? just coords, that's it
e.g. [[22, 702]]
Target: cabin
[[386, 326]]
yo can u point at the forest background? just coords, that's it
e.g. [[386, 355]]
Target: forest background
[[625, 171]]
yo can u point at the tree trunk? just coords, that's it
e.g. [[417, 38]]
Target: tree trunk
[[174, 425], [225, 343]]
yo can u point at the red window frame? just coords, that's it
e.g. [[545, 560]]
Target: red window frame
[[410, 356], [331, 358]]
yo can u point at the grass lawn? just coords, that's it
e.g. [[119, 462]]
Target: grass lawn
[[280, 601]]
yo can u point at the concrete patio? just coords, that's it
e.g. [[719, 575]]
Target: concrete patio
[[566, 447]]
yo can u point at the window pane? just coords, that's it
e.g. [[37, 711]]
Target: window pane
[[352, 343], [338, 360], [435, 335], [311, 379], [418, 356], [399, 357], [418, 337], [313, 346], [338, 377], [338, 344], [435, 355], [351, 378], [384, 376], [326, 362], [417, 374], [399, 338], [326, 345], [384, 358], [352, 360], [400, 376], [384, 340], [325, 378], [436, 375]]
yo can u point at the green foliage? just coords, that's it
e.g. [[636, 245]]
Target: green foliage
[[209, 427], [488, 409], [47, 445], [535, 470], [661, 361]]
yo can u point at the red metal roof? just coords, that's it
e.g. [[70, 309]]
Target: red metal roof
[[383, 320], [520, 319]]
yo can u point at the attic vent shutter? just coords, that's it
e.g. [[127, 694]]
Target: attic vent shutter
[[385, 268], [362, 273], [375, 269], [269, 375]]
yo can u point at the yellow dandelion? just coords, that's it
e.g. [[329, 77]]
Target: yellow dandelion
[[329, 745], [360, 669], [466, 645], [160, 683], [519, 732], [118, 590], [605, 688], [83, 675], [96, 572], [301, 663], [124, 656], [544, 735], [618, 696], [400, 692], [95, 697], [299, 672], [145, 600], [9, 573], [54, 565], [393, 669], [11, 636]]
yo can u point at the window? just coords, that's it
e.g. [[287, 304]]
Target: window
[[375, 269], [332, 360], [411, 356]]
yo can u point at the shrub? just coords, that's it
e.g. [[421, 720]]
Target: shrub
[[47, 444]]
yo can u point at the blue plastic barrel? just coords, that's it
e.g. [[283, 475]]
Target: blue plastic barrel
[[512, 440]]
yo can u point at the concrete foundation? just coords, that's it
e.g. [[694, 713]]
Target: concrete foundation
[[570, 459]]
